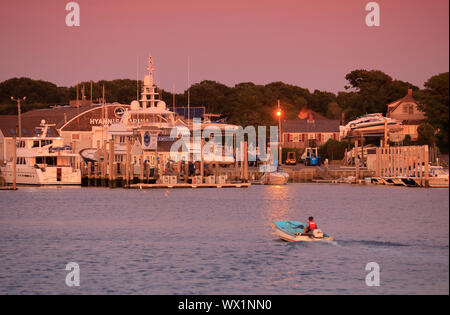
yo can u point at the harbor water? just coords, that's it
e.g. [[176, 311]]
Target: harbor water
[[222, 241]]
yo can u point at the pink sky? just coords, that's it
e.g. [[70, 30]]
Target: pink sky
[[312, 43]]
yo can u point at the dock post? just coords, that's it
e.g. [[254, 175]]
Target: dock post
[[202, 170], [104, 163], [14, 177], [89, 173], [111, 162], [246, 161], [356, 162], [141, 168], [186, 171], [421, 166], [362, 149], [128, 162], [236, 173], [426, 158], [241, 155]]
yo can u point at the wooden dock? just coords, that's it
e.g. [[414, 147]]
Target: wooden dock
[[230, 185], [7, 188]]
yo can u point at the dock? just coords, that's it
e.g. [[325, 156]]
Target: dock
[[231, 185]]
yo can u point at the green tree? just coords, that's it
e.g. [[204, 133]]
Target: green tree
[[426, 134], [333, 149], [334, 111], [434, 101], [370, 92]]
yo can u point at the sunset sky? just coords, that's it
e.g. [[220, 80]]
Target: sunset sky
[[313, 44]]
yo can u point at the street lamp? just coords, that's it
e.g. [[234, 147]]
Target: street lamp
[[278, 114], [18, 100]]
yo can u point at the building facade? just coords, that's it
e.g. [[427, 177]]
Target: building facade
[[408, 112], [313, 129]]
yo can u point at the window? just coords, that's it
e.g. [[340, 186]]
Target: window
[[405, 108], [118, 158], [411, 109], [75, 136], [46, 142], [20, 144]]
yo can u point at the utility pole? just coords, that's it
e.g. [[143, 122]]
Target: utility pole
[[14, 170], [18, 100]]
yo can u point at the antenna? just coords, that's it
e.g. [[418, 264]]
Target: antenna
[[189, 87], [137, 78], [173, 98]]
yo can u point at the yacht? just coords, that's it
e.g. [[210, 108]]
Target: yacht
[[149, 124], [42, 160], [370, 123]]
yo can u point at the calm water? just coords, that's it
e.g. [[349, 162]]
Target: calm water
[[221, 241]]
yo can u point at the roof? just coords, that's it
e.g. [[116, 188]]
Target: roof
[[408, 98], [57, 115], [412, 122], [9, 123], [317, 126]]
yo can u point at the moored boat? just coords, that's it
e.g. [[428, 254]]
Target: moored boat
[[438, 177], [279, 177], [42, 160]]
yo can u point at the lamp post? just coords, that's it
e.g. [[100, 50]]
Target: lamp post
[[18, 100], [278, 113]]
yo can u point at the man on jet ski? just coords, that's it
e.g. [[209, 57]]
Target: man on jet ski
[[311, 226]]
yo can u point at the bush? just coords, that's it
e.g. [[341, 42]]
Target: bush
[[333, 150], [426, 134]]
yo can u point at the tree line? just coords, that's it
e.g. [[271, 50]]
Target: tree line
[[367, 91]]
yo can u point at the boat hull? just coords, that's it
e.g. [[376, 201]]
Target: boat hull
[[275, 178], [438, 182], [26, 175]]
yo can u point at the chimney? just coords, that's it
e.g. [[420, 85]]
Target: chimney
[[410, 92]]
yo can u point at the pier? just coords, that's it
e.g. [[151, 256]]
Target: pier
[[140, 173]]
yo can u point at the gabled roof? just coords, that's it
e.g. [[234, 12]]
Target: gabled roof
[[408, 98]]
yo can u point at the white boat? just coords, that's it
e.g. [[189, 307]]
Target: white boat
[[438, 177], [43, 160], [279, 177], [154, 128], [89, 155], [292, 231], [370, 123]]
